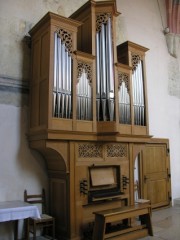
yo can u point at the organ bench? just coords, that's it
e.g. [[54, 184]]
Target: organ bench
[[128, 229]]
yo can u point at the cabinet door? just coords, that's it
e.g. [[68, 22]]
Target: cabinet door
[[156, 175]]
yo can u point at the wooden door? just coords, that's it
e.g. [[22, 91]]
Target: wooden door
[[156, 175]]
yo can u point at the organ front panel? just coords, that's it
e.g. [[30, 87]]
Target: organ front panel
[[125, 107], [96, 92], [104, 69], [134, 55], [62, 87], [89, 115]]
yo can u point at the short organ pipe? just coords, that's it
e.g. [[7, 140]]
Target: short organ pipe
[[124, 104], [84, 99]]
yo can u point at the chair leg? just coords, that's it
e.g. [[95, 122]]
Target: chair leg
[[16, 229], [26, 227], [34, 232], [53, 229]]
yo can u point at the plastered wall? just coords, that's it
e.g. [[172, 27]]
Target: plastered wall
[[142, 22]]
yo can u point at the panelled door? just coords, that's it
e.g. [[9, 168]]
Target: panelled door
[[156, 175]]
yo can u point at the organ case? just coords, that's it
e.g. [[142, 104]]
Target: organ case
[[133, 55], [89, 115]]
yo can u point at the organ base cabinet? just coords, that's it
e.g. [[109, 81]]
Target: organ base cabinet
[[90, 176], [89, 119]]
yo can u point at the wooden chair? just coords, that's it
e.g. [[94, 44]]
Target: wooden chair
[[45, 222]]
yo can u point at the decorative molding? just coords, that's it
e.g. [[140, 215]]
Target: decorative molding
[[135, 58], [93, 150], [66, 38], [101, 18], [117, 150], [87, 68], [123, 77], [90, 150]]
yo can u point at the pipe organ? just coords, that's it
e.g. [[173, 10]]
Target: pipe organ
[[89, 118]]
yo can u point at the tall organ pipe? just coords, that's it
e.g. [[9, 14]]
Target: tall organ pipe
[[138, 95], [62, 79], [103, 63], [142, 93], [55, 76], [110, 78], [105, 73], [59, 64], [97, 77], [110, 59]]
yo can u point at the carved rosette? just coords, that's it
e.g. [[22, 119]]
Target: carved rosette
[[135, 59], [66, 38], [117, 150], [87, 150], [101, 18], [123, 77], [87, 68]]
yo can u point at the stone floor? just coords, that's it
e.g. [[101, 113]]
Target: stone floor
[[166, 224]]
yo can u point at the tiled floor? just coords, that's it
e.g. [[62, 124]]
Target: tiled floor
[[166, 224]]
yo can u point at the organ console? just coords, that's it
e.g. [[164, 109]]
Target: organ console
[[89, 118]]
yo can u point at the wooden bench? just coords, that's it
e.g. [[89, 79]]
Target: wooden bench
[[128, 230]]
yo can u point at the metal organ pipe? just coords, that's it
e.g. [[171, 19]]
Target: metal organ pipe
[[110, 59], [69, 80], [110, 79], [62, 85], [142, 94], [58, 76], [124, 105], [62, 79], [84, 111], [105, 73], [55, 76], [103, 63], [97, 77], [134, 95], [138, 95]]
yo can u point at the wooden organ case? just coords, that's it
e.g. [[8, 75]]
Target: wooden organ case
[[89, 119]]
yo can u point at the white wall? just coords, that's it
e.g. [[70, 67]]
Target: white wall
[[20, 167], [140, 22]]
